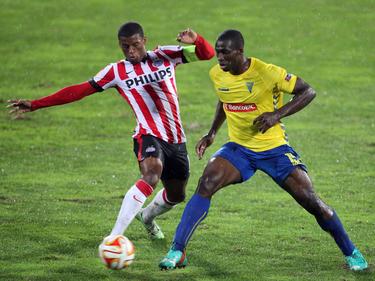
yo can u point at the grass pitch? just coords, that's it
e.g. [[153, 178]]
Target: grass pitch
[[64, 170]]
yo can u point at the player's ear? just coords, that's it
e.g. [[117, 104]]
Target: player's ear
[[144, 40], [119, 43]]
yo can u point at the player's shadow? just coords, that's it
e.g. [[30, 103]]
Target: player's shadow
[[366, 275], [213, 270], [160, 245]]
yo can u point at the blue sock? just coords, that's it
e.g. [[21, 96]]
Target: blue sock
[[334, 227], [195, 212]]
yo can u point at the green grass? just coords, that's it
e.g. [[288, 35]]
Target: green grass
[[64, 170]]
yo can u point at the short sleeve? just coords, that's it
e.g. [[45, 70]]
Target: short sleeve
[[105, 78], [279, 78], [172, 53]]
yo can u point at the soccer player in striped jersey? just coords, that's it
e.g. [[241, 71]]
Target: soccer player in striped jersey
[[250, 95], [146, 80]]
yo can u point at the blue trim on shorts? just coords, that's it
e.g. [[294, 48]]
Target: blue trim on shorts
[[278, 162]]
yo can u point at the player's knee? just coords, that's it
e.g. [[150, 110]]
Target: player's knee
[[307, 199], [181, 198], [314, 205], [151, 178], [207, 186], [151, 169], [323, 211], [176, 198]]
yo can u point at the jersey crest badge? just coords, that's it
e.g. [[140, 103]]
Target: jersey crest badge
[[250, 86], [157, 62]]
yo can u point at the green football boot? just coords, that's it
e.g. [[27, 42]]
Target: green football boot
[[174, 259], [152, 228], [356, 261]]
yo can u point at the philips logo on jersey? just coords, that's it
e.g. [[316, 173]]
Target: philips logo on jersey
[[240, 107], [148, 78]]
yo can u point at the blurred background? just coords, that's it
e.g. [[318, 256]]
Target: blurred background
[[64, 170]]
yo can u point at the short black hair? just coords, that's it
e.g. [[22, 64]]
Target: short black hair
[[129, 29], [233, 35]]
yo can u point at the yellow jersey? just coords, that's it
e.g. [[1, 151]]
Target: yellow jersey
[[259, 89]]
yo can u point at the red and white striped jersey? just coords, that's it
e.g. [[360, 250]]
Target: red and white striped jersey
[[150, 89]]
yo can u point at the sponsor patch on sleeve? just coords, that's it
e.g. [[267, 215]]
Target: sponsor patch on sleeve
[[288, 77]]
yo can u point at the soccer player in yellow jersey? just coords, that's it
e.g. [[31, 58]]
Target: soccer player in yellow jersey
[[250, 95]]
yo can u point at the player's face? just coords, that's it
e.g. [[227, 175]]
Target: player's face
[[228, 57], [133, 47]]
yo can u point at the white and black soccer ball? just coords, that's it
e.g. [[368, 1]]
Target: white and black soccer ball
[[116, 252]]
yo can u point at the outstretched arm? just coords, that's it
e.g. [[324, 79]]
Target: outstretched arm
[[303, 95], [208, 139], [65, 95], [203, 49]]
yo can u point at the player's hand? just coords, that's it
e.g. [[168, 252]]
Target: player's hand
[[266, 120], [187, 36], [202, 145], [19, 107]]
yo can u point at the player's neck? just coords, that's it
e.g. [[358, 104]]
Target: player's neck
[[242, 67], [144, 59], [246, 64]]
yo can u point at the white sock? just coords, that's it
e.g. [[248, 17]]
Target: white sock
[[158, 206], [131, 205]]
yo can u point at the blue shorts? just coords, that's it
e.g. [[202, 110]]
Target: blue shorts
[[278, 162]]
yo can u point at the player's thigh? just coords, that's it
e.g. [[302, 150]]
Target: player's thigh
[[176, 162], [279, 163], [176, 170], [218, 173], [175, 189], [151, 169], [298, 184], [150, 158], [288, 171], [230, 164]]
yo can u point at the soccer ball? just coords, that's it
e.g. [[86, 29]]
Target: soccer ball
[[116, 252]]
